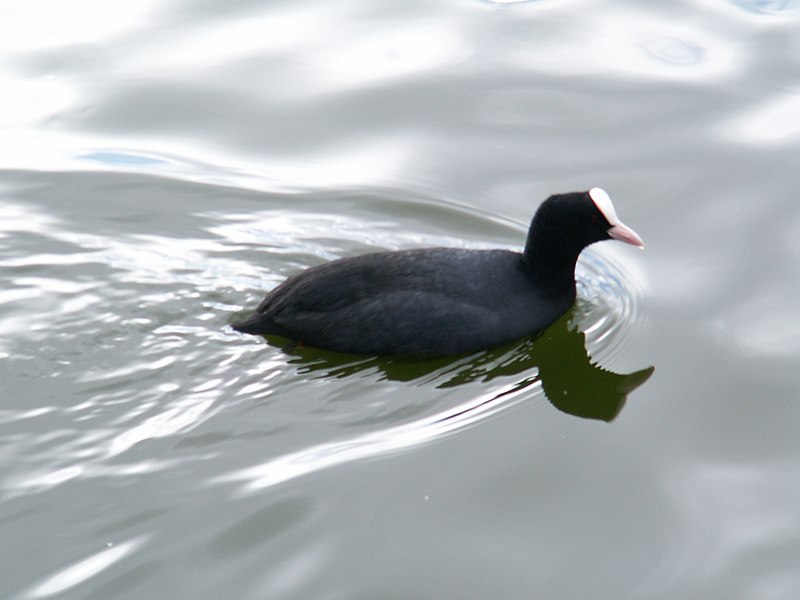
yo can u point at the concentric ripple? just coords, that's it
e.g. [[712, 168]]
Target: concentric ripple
[[608, 309]]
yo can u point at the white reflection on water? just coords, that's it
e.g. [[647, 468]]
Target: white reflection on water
[[16, 217], [368, 162], [323, 52], [632, 44], [274, 34], [31, 100], [85, 569], [183, 415], [322, 456], [99, 288], [38, 24], [320, 50], [774, 121]]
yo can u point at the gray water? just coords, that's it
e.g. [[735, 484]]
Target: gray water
[[164, 164]]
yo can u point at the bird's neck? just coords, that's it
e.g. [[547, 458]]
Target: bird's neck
[[550, 262]]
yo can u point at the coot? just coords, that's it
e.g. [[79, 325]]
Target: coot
[[442, 301]]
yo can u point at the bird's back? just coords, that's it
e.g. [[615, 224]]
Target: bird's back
[[427, 302]]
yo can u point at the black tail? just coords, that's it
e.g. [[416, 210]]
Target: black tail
[[255, 324]]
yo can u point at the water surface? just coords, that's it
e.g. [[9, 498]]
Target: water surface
[[165, 164]]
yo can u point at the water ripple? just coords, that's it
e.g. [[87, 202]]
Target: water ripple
[[144, 367], [392, 439], [85, 569]]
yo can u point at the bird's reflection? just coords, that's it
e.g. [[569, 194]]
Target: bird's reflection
[[557, 358]]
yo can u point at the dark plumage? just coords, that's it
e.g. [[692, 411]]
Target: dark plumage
[[442, 301]]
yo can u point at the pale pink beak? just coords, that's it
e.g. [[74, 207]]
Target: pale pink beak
[[623, 233]]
